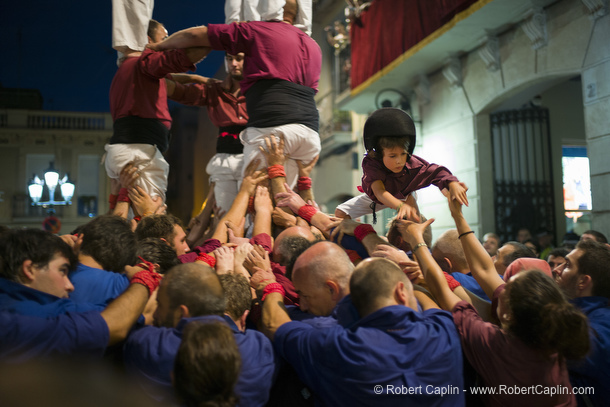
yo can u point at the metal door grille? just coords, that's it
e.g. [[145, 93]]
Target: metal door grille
[[523, 180]]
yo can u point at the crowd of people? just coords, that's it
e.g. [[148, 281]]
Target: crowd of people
[[266, 300]]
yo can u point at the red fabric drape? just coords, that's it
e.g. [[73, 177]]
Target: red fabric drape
[[390, 27]]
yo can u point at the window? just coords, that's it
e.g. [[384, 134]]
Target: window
[[576, 188]]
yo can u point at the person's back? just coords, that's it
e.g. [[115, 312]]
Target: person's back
[[193, 293], [393, 355]]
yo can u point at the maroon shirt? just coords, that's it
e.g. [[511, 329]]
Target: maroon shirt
[[273, 50], [138, 87], [417, 174], [501, 359], [224, 109]]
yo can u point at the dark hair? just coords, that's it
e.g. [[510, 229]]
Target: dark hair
[[197, 287], [542, 317], [152, 27], [521, 250], [39, 246], [159, 226], [390, 142], [599, 236], [536, 245], [207, 366], [291, 248], [594, 262], [558, 252], [237, 293], [110, 241], [157, 251], [372, 283]]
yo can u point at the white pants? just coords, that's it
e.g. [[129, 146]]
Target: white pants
[[300, 142], [130, 20], [265, 10], [225, 172], [152, 167], [359, 206]]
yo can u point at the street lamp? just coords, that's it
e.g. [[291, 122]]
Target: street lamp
[[51, 179]]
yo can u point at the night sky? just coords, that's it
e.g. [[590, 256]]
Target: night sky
[[64, 48]]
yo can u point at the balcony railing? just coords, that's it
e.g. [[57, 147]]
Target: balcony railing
[[55, 120]]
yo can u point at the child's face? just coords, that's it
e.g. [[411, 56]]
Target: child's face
[[395, 158]]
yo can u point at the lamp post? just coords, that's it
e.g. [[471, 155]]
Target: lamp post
[[51, 180]]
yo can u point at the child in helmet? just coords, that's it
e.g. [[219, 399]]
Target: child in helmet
[[390, 171]]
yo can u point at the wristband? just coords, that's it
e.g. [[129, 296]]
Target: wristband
[[453, 283], [273, 288], [307, 211], [148, 278], [399, 206], [465, 233], [304, 183], [123, 195], [251, 204], [112, 200], [275, 171], [422, 244], [206, 258], [363, 231]]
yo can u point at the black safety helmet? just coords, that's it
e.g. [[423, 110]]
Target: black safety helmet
[[388, 122]]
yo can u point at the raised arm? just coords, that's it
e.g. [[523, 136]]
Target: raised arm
[[123, 312], [413, 233], [190, 37], [404, 209], [481, 265], [304, 182], [240, 204]]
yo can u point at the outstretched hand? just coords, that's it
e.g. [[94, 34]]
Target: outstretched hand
[[412, 232], [274, 154], [457, 191], [252, 177], [304, 168]]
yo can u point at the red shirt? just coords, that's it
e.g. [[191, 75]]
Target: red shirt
[[273, 50], [224, 109], [501, 359], [138, 88]]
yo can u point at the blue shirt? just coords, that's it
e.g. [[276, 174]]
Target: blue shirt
[[19, 299], [25, 337], [96, 286], [390, 351], [594, 370], [150, 353], [470, 283]]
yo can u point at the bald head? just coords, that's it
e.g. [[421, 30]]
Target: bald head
[[374, 285], [197, 287], [321, 277], [449, 247], [290, 244], [326, 260]]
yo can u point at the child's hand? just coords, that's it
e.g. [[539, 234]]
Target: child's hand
[[406, 211], [457, 191]]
